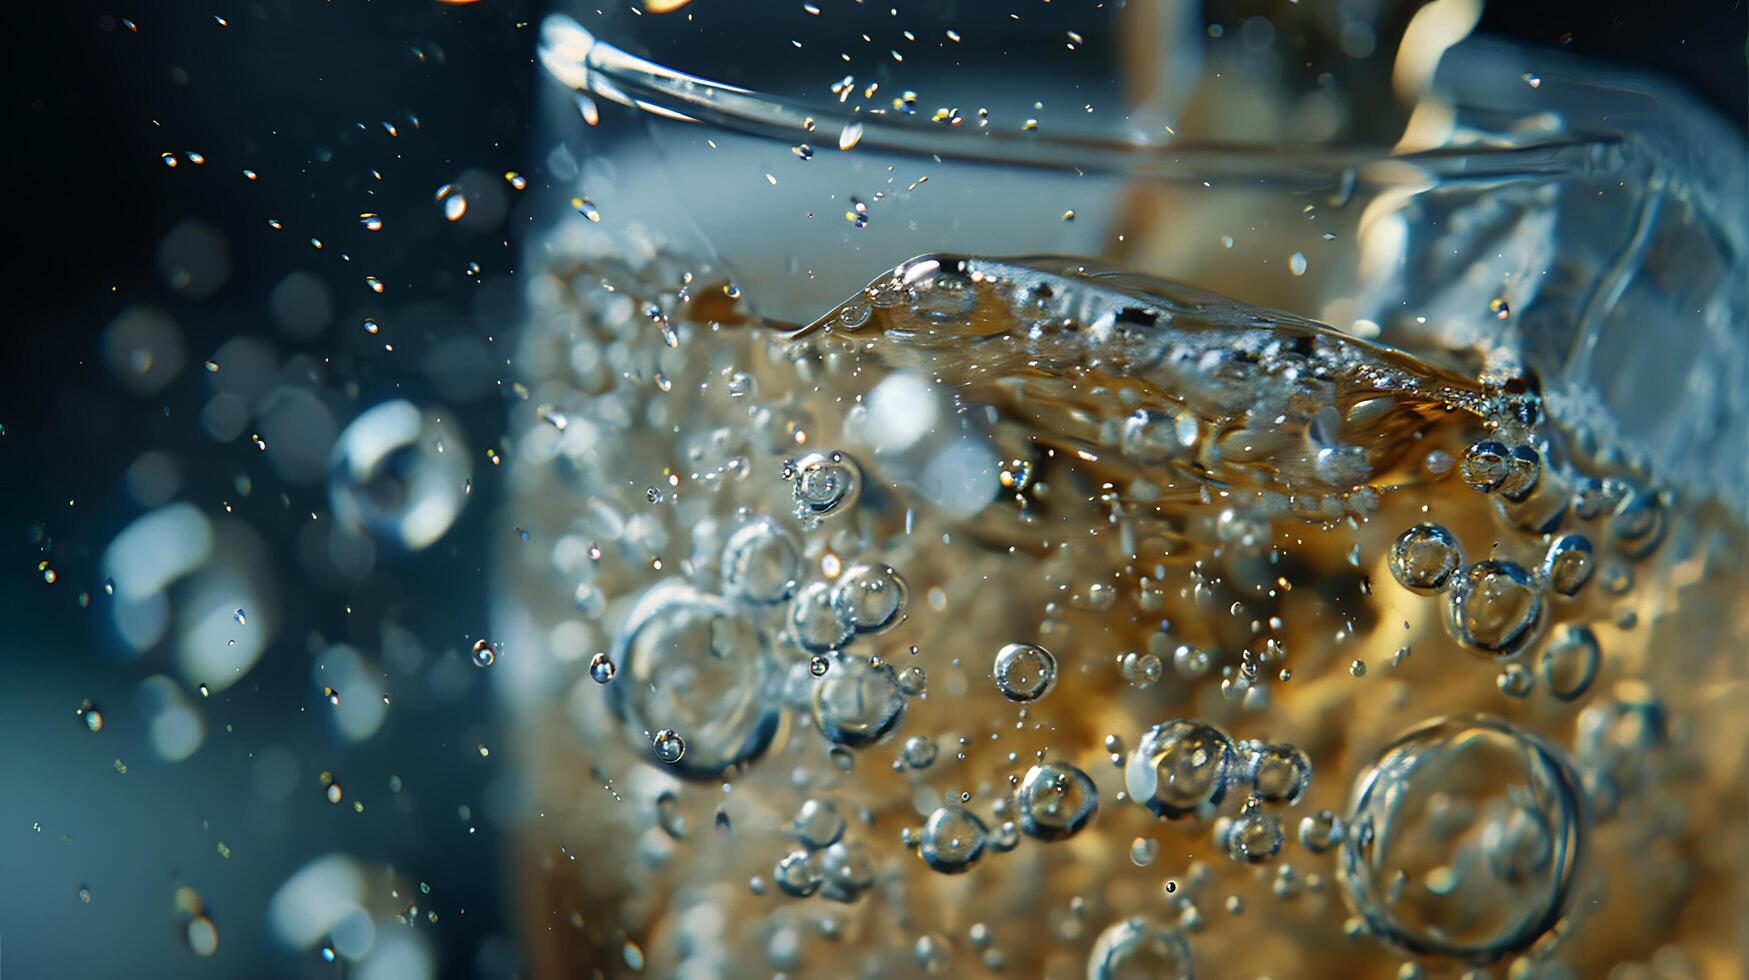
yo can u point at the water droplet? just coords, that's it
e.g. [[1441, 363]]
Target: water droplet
[[1296, 263], [850, 136], [1569, 564]]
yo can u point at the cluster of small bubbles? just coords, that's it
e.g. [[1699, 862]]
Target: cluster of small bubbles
[[1015, 475], [919, 752], [1242, 529], [1180, 768], [1516, 681], [1138, 947], [818, 824], [1025, 671], [485, 654], [1140, 669], [1255, 836], [1424, 558], [857, 702], [870, 597], [669, 746], [1569, 663], [1568, 564], [1464, 840], [825, 483], [815, 621], [760, 562], [601, 668], [1321, 831], [1279, 773], [953, 840], [1055, 801], [1495, 607], [799, 873]]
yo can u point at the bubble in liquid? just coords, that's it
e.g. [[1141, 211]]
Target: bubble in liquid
[[92, 714], [1569, 663], [1485, 465], [601, 668], [1255, 837], [857, 703], [1617, 736], [1180, 768], [913, 680], [1056, 800], [669, 746], [1139, 949], [761, 563], [953, 840], [692, 662], [1280, 773], [1025, 671], [919, 752], [825, 483], [400, 474], [485, 654], [870, 598], [1191, 662], [1495, 607], [818, 824], [1464, 840], [799, 873], [815, 620], [1638, 524], [934, 953], [1523, 468], [1140, 669], [1424, 557], [1321, 831], [848, 870], [1569, 564], [818, 665], [1515, 681]]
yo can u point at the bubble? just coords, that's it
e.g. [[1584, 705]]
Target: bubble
[[202, 936], [1255, 837], [668, 815], [485, 654], [400, 474], [1618, 736], [815, 621], [799, 874], [1056, 800], [601, 668], [1485, 465], [913, 680], [1568, 564], [1191, 662], [818, 824], [857, 703], [1025, 671], [1321, 831], [825, 483], [690, 661], [934, 953], [953, 840], [1424, 557], [1494, 607], [1515, 681], [92, 714], [1464, 840], [669, 746], [818, 665], [1280, 773], [1180, 768], [1638, 524], [1569, 663], [761, 562], [1137, 948], [919, 752], [870, 598], [848, 870], [1140, 669]]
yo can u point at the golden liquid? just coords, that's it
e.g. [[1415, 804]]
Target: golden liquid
[[1252, 513]]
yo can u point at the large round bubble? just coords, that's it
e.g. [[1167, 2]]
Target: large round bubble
[[1464, 840], [1180, 768], [690, 663], [1138, 949], [857, 703], [400, 474]]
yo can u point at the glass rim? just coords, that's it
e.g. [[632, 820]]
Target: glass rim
[[590, 67]]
